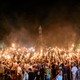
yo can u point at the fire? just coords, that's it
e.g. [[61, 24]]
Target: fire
[[13, 45], [24, 54]]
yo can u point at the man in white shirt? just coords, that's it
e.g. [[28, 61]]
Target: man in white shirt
[[59, 76], [25, 75], [74, 70]]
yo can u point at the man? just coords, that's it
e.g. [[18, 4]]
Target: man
[[47, 73], [59, 76], [1, 71], [78, 74], [19, 72], [25, 75], [32, 75], [9, 77], [74, 70], [64, 71], [42, 72]]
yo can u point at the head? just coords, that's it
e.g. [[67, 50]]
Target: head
[[46, 66], [30, 69], [60, 72]]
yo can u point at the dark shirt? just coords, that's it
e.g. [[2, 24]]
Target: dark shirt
[[42, 71], [8, 78], [64, 70], [31, 75]]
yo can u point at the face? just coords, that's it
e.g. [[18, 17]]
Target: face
[[60, 72]]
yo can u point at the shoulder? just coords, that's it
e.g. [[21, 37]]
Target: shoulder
[[57, 76]]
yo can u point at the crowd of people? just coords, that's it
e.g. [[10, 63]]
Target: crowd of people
[[50, 64], [46, 69]]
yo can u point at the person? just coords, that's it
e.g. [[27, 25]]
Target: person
[[19, 72], [25, 75], [53, 71], [59, 76], [47, 73], [42, 72], [37, 72], [68, 71], [64, 71], [78, 73], [9, 77], [74, 70], [1, 71], [32, 75]]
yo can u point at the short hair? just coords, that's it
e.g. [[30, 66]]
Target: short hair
[[30, 69], [8, 72]]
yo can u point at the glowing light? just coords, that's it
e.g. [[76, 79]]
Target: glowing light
[[8, 57], [65, 54], [72, 45], [23, 53], [32, 49], [78, 50], [41, 51], [13, 45]]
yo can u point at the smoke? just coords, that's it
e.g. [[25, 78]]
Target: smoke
[[24, 32], [61, 35], [60, 26], [19, 31], [21, 37]]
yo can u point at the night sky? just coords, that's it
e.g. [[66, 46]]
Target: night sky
[[60, 20]]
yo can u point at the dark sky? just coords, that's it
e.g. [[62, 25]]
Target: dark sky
[[40, 9], [30, 14]]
